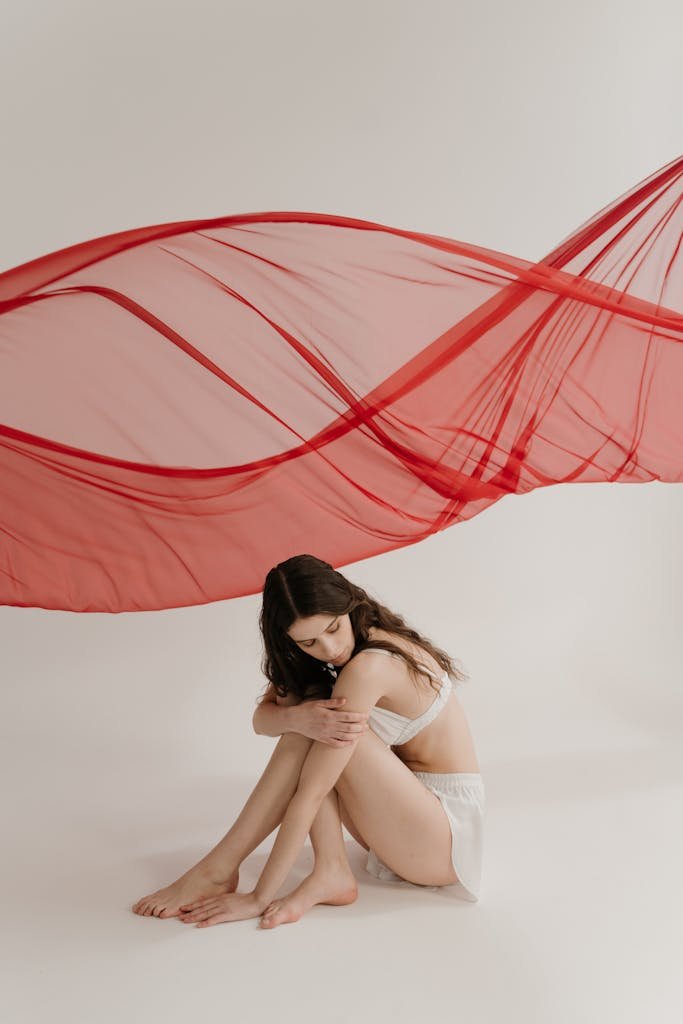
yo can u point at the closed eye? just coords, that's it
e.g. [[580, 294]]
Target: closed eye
[[328, 631]]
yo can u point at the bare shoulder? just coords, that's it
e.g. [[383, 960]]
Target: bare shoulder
[[419, 653], [366, 662], [362, 681]]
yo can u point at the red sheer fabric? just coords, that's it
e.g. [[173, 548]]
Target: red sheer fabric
[[186, 405]]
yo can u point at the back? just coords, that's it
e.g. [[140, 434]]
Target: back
[[445, 743]]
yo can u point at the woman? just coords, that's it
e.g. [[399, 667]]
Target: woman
[[386, 757]]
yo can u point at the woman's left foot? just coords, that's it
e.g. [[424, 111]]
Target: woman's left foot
[[336, 889], [196, 884]]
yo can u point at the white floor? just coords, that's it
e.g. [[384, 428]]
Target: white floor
[[582, 902]]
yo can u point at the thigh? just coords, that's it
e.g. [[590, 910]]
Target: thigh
[[398, 817]]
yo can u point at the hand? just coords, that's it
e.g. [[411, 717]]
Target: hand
[[231, 906], [324, 721]]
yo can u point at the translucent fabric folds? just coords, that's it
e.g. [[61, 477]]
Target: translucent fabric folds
[[185, 405]]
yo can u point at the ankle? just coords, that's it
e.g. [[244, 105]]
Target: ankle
[[332, 867], [216, 869]]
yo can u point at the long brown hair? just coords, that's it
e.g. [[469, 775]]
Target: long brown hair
[[303, 586]]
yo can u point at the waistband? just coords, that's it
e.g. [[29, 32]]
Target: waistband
[[450, 782]]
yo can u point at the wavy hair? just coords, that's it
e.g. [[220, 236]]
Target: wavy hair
[[303, 586]]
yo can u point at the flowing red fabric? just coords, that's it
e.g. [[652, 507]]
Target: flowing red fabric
[[185, 405]]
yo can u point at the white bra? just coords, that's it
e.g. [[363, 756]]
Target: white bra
[[395, 729]]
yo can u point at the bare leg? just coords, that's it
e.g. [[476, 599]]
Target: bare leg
[[327, 838], [218, 871], [331, 881]]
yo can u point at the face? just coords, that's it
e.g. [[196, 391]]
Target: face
[[325, 637]]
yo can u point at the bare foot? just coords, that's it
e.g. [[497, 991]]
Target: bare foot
[[196, 884], [336, 889]]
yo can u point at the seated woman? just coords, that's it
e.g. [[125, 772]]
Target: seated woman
[[380, 745]]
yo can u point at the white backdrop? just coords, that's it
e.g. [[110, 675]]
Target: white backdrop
[[127, 740]]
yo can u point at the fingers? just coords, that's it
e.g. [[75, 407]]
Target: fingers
[[348, 716], [351, 737], [354, 731], [210, 901], [200, 914]]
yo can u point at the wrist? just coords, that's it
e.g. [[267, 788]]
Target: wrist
[[290, 718]]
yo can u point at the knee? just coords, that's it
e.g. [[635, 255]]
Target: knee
[[294, 739]]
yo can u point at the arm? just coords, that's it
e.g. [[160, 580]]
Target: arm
[[274, 715], [363, 684], [271, 719]]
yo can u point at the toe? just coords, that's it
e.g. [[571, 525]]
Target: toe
[[268, 915], [276, 917]]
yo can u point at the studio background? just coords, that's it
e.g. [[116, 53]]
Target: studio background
[[127, 741]]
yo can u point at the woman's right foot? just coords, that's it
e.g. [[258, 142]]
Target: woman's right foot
[[335, 887], [196, 884]]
